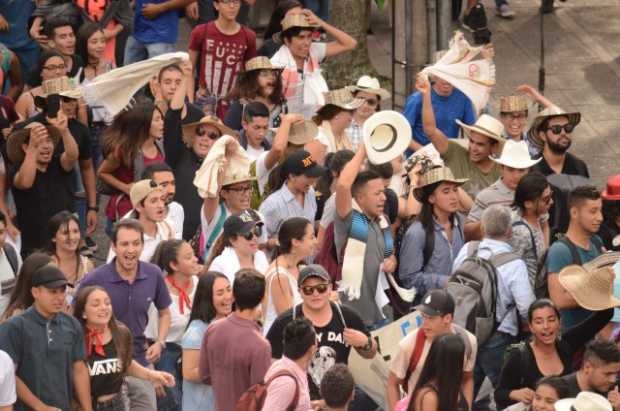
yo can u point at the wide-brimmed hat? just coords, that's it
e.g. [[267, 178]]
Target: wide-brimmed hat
[[515, 154], [485, 125], [436, 175], [235, 172], [261, 63], [290, 21], [386, 135], [592, 289], [513, 103], [585, 401], [342, 98], [17, 138], [189, 130], [612, 191], [554, 111], [608, 259], [370, 85], [62, 86]]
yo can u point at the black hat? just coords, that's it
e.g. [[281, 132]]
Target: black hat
[[437, 302], [301, 162], [241, 223], [49, 276], [312, 270]]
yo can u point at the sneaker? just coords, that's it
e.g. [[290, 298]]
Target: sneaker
[[91, 244], [505, 12]]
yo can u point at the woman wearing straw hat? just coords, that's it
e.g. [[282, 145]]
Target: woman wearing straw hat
[[259, 82], [369, 90]]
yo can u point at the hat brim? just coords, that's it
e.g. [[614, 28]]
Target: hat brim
[[574, 118], [611, 197], [314, 171], [189, 130], [240, 180], [17, 138], [381, 92], [314, 275], [352, 106], [565, 404], [299, 137], [425, 309], [571, 278], [399, 143], [468, 129], [55, 284], [513, 164], [418, 191]]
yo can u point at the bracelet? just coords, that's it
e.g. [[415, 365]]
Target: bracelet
[[93, 208]]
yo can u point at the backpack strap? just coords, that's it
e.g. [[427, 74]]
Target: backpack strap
[[416, 354], [532, 238], [286, 373], [11, 255], [339, 311], [572, 248], [472, 248], [500, 259]]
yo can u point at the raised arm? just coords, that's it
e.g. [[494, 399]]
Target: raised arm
[[535, 95], [344, 198], [435, 135], [343, 42], [69, 157], [280, 140], [24, 178]]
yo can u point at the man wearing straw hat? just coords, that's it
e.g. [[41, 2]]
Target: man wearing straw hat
[[474, 162], [514, 163], [302, 82]]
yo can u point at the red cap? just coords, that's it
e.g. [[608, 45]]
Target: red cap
[[612, 192]]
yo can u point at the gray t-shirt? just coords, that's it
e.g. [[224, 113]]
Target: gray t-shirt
[[365, 306]]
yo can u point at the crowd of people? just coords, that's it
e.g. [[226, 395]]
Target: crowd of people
[[264, 229]]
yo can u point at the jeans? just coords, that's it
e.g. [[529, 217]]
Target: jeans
[[136, 51], [81, 208], [489, 363], [170, 362], [141, 394], [319, 7]]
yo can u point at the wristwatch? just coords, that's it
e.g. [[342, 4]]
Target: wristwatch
[[368, 345]]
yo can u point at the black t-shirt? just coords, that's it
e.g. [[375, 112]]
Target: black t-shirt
[[572, 166], [79, 131], [49, 194], [106, 376], [573, 386], [332, 349]]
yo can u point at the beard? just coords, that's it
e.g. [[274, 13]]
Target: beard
[[558, 148]]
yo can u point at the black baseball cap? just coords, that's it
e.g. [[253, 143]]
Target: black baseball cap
[[301, 162], [313, 270], [49, 276], [241, 223], [436, 303]]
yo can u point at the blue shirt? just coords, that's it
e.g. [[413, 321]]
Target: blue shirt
[[162, 29], [197, 396], [131, 302], [17, 13], [411, 271], [282, 204], [447, 109], [513, 285]]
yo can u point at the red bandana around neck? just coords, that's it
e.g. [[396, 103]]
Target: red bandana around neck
[[183, 296]]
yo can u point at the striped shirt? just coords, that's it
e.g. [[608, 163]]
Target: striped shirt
[[496, 193]]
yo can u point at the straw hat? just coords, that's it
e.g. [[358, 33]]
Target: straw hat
[[189, 130], [608, 259], [302, 132], [485, 125], [63, 86], [512, 104], [436, 175], [386, 135], [370, 85], [235, 172], [17, 138], [593, 290], [554, 111], [585, 401], [516, 154], [290, 21], [260, 63], [612, 191], [342, 98]]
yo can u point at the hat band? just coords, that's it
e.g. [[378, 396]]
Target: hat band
[[392, 141], [485, 130]]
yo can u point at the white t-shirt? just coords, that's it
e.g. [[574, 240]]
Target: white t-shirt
[[227, 263], [164, 232], [254, 153], [7, 380], [262, 173], [329, 211], [7, 280], [175, 218]]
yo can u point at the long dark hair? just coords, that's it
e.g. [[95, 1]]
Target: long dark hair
[[203, 308], [427, 216], [120, 333], [611, 211], [443, 371], [167, 253], [541, 303], [21, 297], [334, 163], [55, 224], [247, 87], [291, 229], [557, 383], [84, 33], [129, 130], [530, 188], [275, 22], [221, 242]]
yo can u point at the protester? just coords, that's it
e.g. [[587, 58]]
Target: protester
[[21, 297], [296, 196], [230, 367], [296, 243], [549, 353], [428, 247], [514, 163], [610, 228], [219, 49], [406, 367], [513, 291], [47, 348], [580, 245], [162, 175], [548, 391], [213, 301], [60, 35], [10, 264], [337, 388], [282, 9], [299, 347], [133, 285], [369, 90], [237, 246], [171, 80], [302, 81], [254, 129], [108, 350]]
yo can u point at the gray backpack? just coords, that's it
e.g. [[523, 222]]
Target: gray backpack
[[474, 288]]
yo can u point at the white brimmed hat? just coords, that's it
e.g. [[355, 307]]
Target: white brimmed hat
[[585, 401], [387, 135], [515, 154], [370, 85], [593, 289], [485, 125], [554, 111]]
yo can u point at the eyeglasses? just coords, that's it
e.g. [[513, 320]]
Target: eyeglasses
[[55, 67], [230, 2], [371, 102], [309, 289], [240, 190], [257, 231], [201, 131], [557, 129]]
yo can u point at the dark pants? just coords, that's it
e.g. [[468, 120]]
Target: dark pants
[[170, 361], [115, 404], [489, 363]]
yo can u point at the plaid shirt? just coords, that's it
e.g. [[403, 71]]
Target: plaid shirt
[[355, 134]]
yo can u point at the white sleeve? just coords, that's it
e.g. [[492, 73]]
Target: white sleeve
[[7, 380], [329, 211], [319, 50], [321, 137], [262, 174]]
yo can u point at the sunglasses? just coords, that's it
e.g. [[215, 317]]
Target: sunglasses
[[371, 102], [309, 289], [201, 131], [257, 231], [557, 129]]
